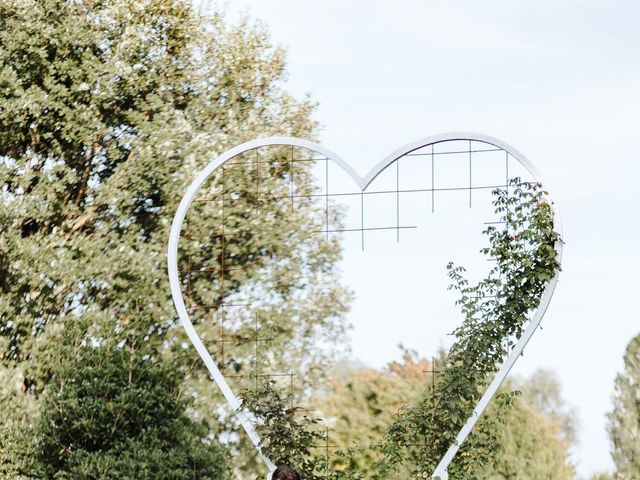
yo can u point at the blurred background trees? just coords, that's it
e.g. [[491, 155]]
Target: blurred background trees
[[361, 403], [624, 419]]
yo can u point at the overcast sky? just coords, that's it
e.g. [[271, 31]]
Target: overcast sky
[[559, 80]]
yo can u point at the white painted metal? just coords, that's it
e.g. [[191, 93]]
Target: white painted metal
[[247, 419]]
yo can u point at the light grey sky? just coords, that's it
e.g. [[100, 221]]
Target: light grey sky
[[559, 80]]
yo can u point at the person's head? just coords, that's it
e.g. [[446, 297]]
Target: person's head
[[283, 473]]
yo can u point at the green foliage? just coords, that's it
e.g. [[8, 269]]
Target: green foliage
[[624, 420], [542, 391], [495, 312], [534, 443], [357, 406], [107, 110], [609, 476], [292, 435], [115, 413], [360, 404], [603, 476]]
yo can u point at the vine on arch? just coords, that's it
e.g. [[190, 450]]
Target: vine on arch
[[495, 312]]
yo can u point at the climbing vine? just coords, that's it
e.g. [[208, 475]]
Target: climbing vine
[[495, 312]]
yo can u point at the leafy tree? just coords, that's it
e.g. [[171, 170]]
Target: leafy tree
[[602, 476], [538, 433], [110, 412], [543, 392], [362, 403], [107, 110], [293, 435], [624, 420]]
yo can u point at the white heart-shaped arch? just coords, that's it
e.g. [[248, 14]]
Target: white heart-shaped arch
[[246, 418]]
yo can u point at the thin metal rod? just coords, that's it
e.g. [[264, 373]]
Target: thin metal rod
[[379, 192], [418, 154], [398, 200], [470, 183], [362, 219], [291, 186], [326, 194], [433, 181], [369, 229]]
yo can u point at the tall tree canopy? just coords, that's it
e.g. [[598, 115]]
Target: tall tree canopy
[[107, 110], [624, 420]]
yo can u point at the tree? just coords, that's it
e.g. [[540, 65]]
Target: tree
[[107, 110], [624, 419], [538, 433], [543, 392], [110, 412], [533, 444], [360, 404], [602, 476]]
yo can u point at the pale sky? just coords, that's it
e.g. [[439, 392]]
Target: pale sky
[[559, 80]]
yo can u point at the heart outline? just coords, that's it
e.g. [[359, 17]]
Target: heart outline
[[246, 418]]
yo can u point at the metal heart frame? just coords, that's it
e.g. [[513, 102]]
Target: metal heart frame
[[246, 418]]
